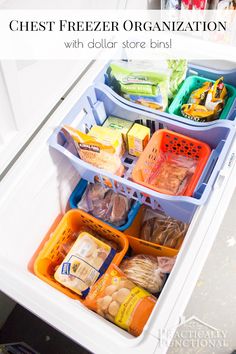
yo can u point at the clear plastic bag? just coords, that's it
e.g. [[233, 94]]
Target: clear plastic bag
[[161, 229], [105, 204], [172, 173], [147, 271]]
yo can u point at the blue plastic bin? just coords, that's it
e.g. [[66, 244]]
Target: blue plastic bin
[[97, 105], [78, 193], [102, 81]]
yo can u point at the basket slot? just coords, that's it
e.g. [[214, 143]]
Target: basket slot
[[207, 172]]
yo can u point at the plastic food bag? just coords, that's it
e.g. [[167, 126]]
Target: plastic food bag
[[105, 204], [119, 300], [198, 113], [216, 96], [161, 229], [178, 69], [165, 74], [143, 270], [206, 103], [98, 152], [171, 173], [147, 271], [141, 83]]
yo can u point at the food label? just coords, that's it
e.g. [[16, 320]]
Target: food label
[[127, 308]]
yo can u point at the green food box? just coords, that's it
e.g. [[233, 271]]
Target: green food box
[[120, 124]]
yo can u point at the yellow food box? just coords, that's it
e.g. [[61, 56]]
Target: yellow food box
[[138, 137], [119, 124], [109, 136]]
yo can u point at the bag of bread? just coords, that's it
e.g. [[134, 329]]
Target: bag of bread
[[101, 153], [162, 229], [148, 271], [120, 301], [144, 270]]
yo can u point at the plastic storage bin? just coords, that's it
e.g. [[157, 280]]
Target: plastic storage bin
[[74, 221], [193, 83], [78, 193], [229, 78], [96, 105], [178, 144], [145, 247]]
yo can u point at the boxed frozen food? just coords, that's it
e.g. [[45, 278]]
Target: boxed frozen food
[[120, 301], [138, 137], [86, 261], [101, 151], [119, 124]]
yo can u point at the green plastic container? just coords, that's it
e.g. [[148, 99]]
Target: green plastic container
[[192, 83]]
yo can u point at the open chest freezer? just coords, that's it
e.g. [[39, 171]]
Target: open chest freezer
[[34, 193]]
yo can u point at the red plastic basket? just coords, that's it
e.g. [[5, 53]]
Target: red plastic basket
[[167, 141]]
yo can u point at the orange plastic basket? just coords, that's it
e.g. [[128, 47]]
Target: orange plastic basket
[[167, 141], [140, 246], [74, 221]]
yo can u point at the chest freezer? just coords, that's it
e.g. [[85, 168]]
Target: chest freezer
[[35, 191]]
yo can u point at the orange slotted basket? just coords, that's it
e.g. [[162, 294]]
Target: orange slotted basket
[[166, 141], [74, 221]]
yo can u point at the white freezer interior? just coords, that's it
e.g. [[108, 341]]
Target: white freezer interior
[[35, 191]]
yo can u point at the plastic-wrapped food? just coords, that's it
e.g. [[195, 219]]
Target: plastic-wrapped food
[[172, 173], [199, 96], [140, 82], [147, 271], [98, 151], [206, 103], [105, 204], [161, 229], [216, 96], [120, 301], [85, 262], [146, 82], [197, 112], [178, 69]]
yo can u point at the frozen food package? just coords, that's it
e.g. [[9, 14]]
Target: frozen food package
[[144, 270], [197, 112], [216, 96], [171, 173], [101, 153], [199, 96], [138, 138], [178, 70], [141, 83], [119, 124], [160, 79], [86, 261], [162, 229], [120, 301], [105, 204], [148, 271]]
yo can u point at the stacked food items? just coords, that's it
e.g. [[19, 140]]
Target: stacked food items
[[151, 84], [206, 103], [92, 263], [103, 146]]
